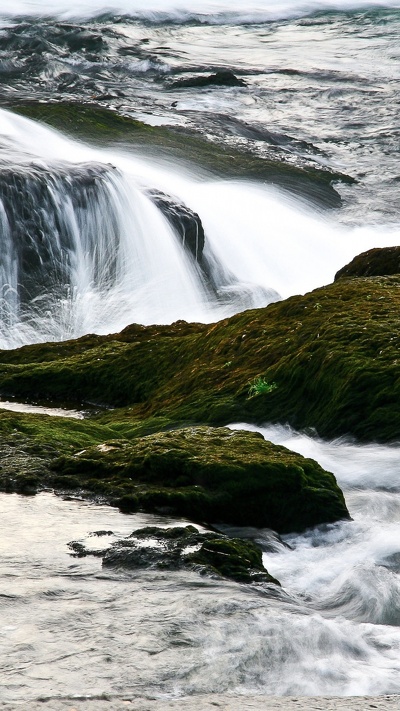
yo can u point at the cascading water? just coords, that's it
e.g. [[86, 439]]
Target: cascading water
[[93, 239], [86, 248], [70, 626], [89, 243]]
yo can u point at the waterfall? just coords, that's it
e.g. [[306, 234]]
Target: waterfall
[[92, 240]]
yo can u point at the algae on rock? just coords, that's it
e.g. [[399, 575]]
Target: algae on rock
[[100, 125], [184, 547], [210, 475], [333, 356]]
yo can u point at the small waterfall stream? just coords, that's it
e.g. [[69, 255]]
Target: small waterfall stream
[[92, 240]]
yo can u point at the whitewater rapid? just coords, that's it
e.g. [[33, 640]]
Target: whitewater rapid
[[70, 627], [208, 11], [98, 254]]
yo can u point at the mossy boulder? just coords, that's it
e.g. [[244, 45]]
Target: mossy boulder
[[184, 547], [211, 475], [383, 261], [102, 126], [331, 357], [30, 442]]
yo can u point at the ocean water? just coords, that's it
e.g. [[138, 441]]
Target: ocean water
[[85, 248]]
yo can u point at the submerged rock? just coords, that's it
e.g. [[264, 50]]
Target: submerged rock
[[98, 124], [383, 261], [221, 78], [213, 475], [185, 547]]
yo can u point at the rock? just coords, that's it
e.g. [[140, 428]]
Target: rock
[[213, 475], [327, 360], [186, 223], [38, 241], [98, 124], [221, 78], [185, 547], [383, 261]]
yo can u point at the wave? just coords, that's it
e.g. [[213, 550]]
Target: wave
[[205, 11]]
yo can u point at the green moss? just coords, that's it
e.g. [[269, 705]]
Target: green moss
[[336, 367], [383, 261], [29, 443], [211, 474], [99, 125]]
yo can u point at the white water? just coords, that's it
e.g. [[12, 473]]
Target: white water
[[350, 568], [123, 262], [218, 11], [70, 628]]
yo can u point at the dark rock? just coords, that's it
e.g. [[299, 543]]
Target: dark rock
[[186, 223], [213, 475], [383, 261], [38, 242], [185, 547], [221, 78]]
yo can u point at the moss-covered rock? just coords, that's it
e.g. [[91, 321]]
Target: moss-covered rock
[[29, 443], [383, 261], [100, 125], [331, 356], [184, 547], [202, 473], [213, 475]]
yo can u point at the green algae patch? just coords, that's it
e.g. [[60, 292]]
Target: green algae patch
[[210, 475], [208, 553], [29, 443], [382, 261], [328, 360], [99, 125]]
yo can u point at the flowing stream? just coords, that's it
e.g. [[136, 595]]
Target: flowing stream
[[71, 627], [85, 249], [94, 238]]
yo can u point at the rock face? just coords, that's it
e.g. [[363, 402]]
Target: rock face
[[38, 236], [384, 261], [213, 475], [185, 547]]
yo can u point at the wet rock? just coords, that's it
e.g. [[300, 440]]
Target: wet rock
[[383, 261], [94, 123], [38, 240], [213, 475], [186, 223], [221, 78], [327, 360], [185, 547]]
